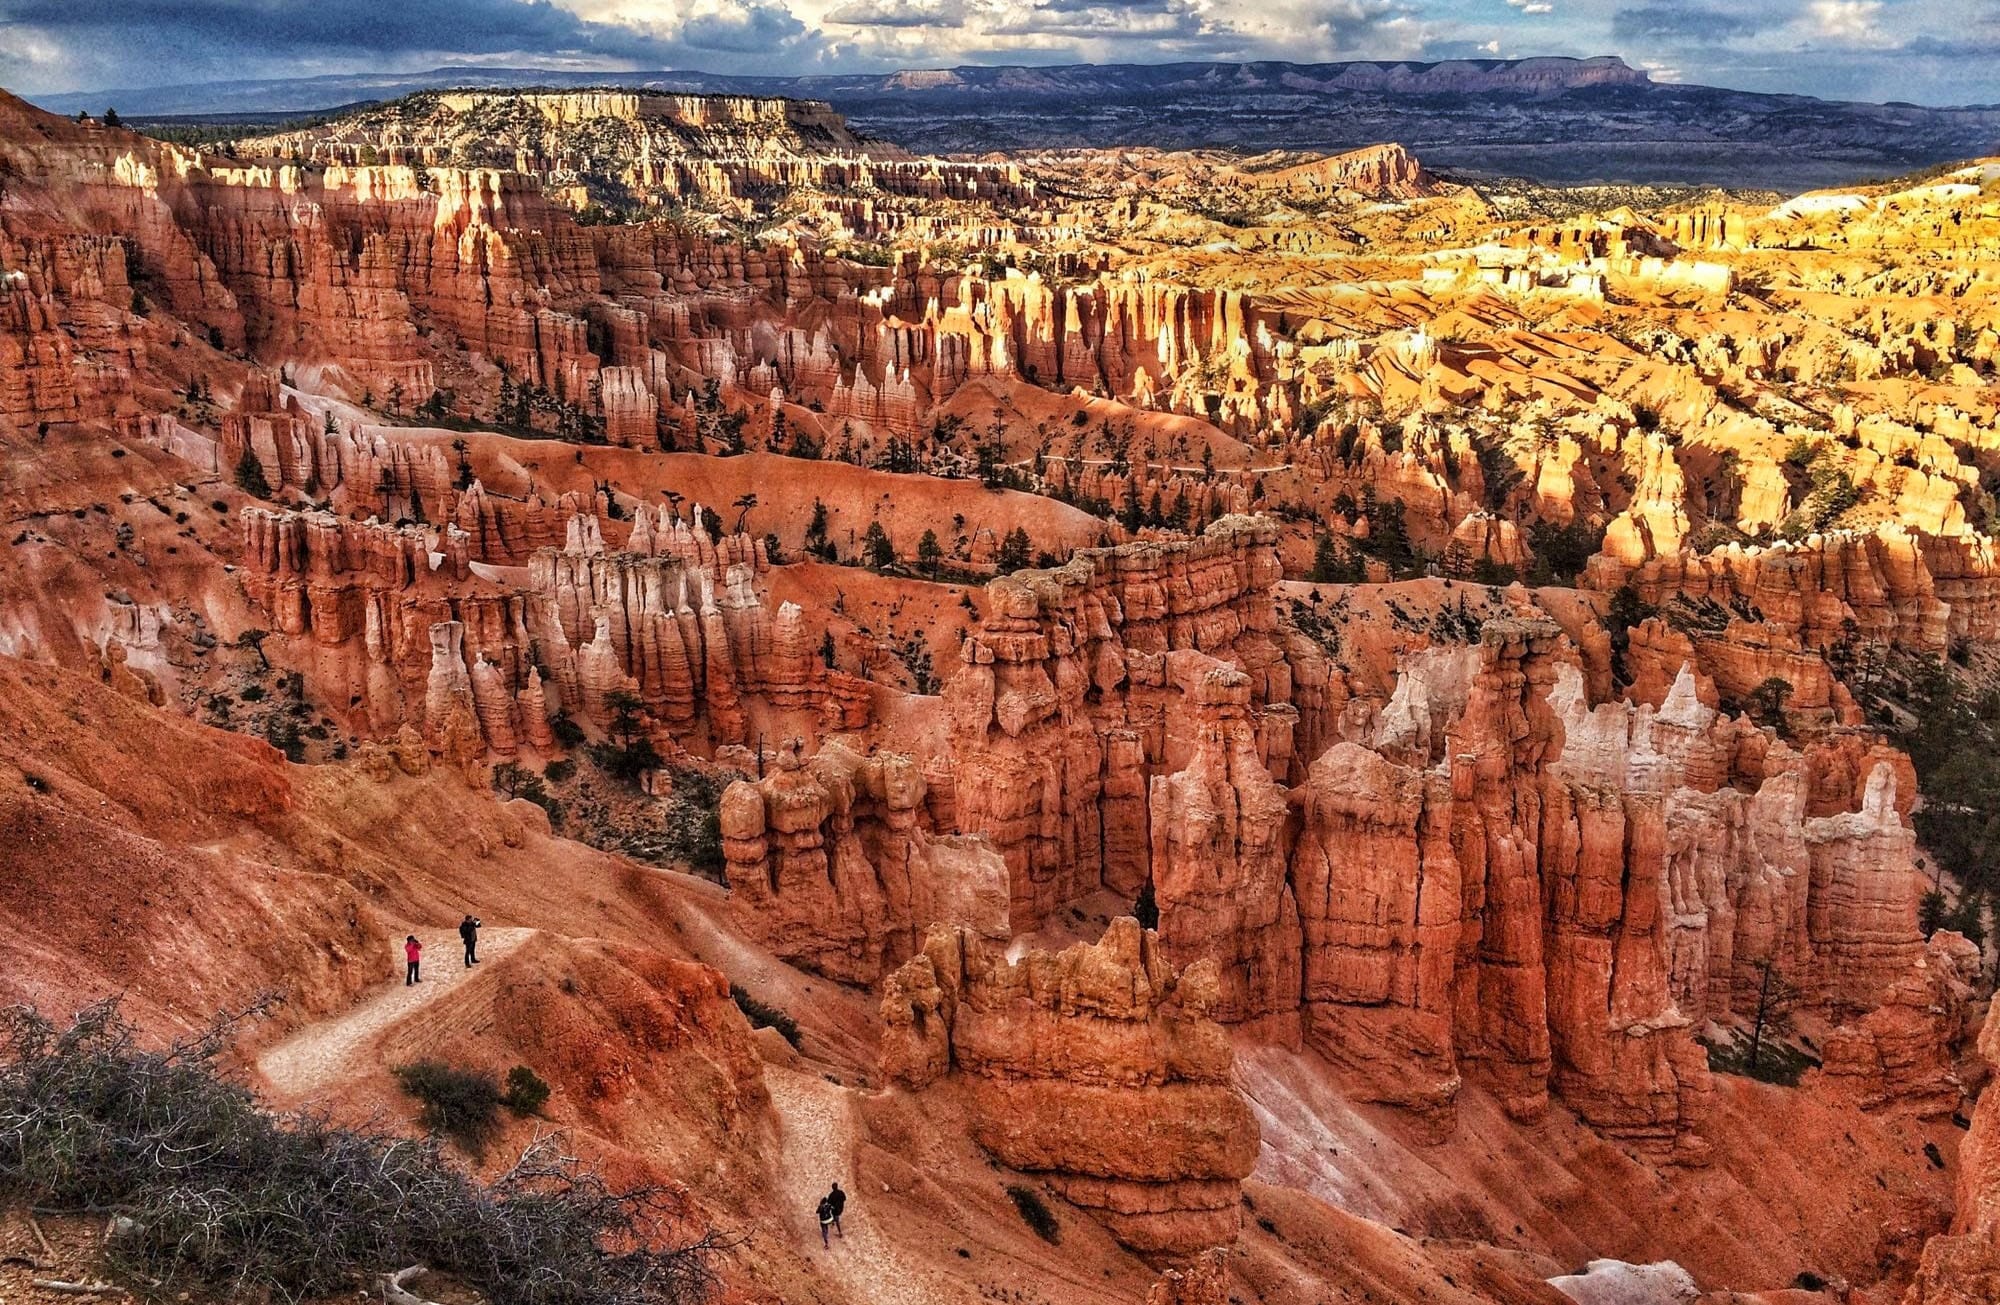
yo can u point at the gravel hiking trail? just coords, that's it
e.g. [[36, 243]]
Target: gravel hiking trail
[[819, 1136], [321, 1053]]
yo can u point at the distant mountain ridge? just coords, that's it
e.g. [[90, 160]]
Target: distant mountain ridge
[[299, 94], [1556, 119]]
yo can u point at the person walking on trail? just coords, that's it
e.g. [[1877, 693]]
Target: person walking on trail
[[413, 952], [827, 1218], [837, 1199], [468, 929]]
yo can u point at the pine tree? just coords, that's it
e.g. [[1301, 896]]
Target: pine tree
[[1333, 564], [816, 540], [1774, 1012], [929, 553], [1931, 912], [877, 547], [1015, 551], [250, 475], [1969, 919]]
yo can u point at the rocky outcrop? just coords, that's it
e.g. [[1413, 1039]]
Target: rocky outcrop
[[1098, 1069], [1379, 898], [1379, 172], [1962, 1265], [364, 598], [1204, 1282], [834, 868], [1079, 688], [1219, 857], [1486, 875], [1904, 1053], [648, 147], [1894, 586], [677, 619]]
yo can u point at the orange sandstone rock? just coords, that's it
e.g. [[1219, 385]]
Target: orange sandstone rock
[[1098, 1068]]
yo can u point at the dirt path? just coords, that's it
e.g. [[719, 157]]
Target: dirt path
[[818, 1132], [318, 1053]]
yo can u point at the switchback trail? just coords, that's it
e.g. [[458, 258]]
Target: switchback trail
[[819, 1135], [318, 1053]]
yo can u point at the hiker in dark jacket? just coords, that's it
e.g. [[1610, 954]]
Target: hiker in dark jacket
[[837, 1199], [826, 1221], [413, 952], [468, 929]]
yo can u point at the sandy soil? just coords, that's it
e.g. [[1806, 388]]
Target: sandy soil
[[320, 1054]]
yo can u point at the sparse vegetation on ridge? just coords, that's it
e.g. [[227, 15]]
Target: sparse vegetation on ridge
[[215, 1193]]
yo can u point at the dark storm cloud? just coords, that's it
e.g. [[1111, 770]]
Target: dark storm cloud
[[759, 29], [315, 26], [1696, 24], [154, 42], [1981, 40]]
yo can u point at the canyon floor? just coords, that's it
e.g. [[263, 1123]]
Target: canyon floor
[[1191, 726]]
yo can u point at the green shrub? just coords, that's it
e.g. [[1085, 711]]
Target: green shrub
[[1561, 552], [764, 1016], [1777, 1061], [1035, 1213], [630, 752], [526, 1093], [693, 822], [462, 1104], [513, 780]]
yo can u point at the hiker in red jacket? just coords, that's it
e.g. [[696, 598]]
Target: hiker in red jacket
[[413, 952]]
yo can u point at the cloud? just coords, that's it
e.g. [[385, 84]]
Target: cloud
[[742, 29], [151, 42], [1147, 20], [1673, 22], [1942, 50], [1849, 22], [897, 13], [1984, 46]]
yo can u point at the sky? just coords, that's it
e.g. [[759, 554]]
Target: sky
[[1927, 51]]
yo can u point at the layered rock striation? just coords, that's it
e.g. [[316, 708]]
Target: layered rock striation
[[835, 864], [1099, 1069]]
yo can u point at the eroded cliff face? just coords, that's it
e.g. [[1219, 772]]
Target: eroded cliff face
[[1495, 876], [343, 270], [642, 147], [675, 620], [837, 867], [1963, 1265], [1098, 1068], [1078, 689]]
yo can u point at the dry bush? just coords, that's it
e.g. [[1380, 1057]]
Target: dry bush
[[222, 1195]]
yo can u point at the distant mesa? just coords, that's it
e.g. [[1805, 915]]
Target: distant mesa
[[1556, 120]]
